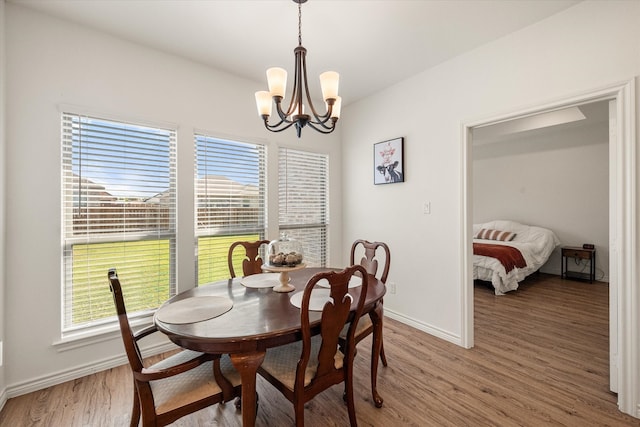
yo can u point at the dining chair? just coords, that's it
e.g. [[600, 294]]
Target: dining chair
[[372, 254], [179, 384], [252, 262], [305, 368]]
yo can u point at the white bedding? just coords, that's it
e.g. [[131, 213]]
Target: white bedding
[[535, 243]]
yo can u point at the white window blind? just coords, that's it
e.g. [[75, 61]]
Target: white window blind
[[230, 197], [119, 210], [303, 197]]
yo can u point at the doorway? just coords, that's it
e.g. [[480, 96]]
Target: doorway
[[622, 229]]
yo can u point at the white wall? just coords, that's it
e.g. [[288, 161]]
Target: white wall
[[558, 181], [2, 198], [52, 63], [589, 46]]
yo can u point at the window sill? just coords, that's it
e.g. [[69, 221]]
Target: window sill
[[89, 336]]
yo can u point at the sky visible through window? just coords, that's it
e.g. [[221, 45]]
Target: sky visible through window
[[239, 157], [111, 154]]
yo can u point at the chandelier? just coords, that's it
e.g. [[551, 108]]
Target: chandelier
[[300, 111]]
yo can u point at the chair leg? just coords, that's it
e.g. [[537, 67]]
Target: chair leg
[[383, 357], [298, 407], [379, 313], [348, 393], [135, 410], [377, 400], [376, 352]]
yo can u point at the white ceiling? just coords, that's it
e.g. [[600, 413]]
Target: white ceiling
[[371, 43]]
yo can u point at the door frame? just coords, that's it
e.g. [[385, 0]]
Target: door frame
[[623, 233]]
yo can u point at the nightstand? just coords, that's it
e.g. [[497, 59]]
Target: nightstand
[[577, 252]]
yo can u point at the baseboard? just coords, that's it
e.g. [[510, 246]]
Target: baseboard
[[424, 327], [78, 372], [3, 398], [600, 276]]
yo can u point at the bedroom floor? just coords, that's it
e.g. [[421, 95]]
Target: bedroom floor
[[550, 339], [541, 359]]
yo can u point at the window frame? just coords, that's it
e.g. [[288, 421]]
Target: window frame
[[107, 324], [248, 153]]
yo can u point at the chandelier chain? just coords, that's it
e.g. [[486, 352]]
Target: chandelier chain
[[300, 24]]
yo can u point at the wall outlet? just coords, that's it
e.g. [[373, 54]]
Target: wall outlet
[[392, 288]]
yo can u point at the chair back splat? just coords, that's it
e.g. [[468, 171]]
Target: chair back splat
[[370, 257], [252, 262]]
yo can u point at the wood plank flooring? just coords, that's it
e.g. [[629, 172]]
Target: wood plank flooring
[[541, 359]]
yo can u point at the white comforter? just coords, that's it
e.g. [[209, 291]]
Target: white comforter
[[535, 243]]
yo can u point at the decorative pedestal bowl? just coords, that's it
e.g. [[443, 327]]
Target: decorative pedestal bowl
[[284, 285]]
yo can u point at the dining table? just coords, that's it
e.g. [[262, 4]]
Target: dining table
[[255, 319]]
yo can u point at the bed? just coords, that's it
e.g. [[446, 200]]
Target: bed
[[505, 252]]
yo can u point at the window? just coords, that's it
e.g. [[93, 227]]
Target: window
[[230, 194], [303, 201], [119, 209]]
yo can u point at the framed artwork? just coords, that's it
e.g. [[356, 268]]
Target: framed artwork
[[388, 161]]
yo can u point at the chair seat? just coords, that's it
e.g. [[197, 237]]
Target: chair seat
[[364, 324], [281, 362], [191, 386]]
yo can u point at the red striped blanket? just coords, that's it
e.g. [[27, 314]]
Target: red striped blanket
[[509, 256]]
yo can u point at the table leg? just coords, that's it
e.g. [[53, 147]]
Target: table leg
[[376, 317], [247, 365]]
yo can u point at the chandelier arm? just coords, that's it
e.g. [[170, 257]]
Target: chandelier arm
[[320, 120], [296, 99], [281, 114], [275, 127], [323, 123], [283, 118], [318, 117], [324, 129]]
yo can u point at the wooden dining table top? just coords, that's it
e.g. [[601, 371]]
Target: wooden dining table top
[[259, 319]]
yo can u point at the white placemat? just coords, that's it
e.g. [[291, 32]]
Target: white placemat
[[354, 282], [261, 280], [317, 300], [194, 309]]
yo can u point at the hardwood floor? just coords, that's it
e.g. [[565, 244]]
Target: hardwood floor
[[541, 359]]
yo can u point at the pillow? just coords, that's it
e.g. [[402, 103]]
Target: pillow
[[489, 234]]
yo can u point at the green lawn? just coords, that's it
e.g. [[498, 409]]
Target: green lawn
[[212, 257], [143, 268]]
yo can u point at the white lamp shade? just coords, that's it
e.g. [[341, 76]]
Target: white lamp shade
[[337, 106], [329, 81], [277, 79], [263, 102]]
